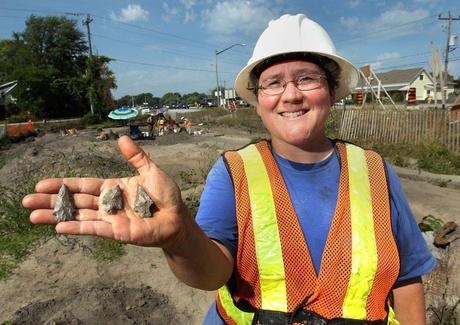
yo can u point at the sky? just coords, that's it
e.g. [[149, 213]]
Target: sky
[[170, 46]]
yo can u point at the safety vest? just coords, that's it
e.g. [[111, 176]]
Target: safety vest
[[274, 272]]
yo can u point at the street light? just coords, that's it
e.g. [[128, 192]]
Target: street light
[[217, 73]]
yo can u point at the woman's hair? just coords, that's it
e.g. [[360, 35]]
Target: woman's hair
[[330, 67]]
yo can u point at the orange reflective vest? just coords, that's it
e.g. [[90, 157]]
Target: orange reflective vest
[[274, 271]]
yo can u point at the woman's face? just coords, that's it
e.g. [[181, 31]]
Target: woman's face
[[295, 117]]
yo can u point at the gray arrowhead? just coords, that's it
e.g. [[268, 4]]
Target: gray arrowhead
[[143, 203], [64, 208], [112, 200]]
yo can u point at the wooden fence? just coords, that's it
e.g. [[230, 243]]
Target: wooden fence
[[400, 127]]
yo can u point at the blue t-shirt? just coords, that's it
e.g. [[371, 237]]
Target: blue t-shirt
[[313, 189]]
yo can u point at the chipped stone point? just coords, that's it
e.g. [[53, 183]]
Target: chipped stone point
[[64, 208], [112, 200], [143, 203]]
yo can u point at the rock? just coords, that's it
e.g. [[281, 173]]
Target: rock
[[446, 234], [112, 200], [64, 208], [143, 203]]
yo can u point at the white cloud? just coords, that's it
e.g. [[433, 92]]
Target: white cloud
[[349, 23], [384, 57], [390, 21], [131, 13], [188, 4], [169, 12], [430, 2], [189, 16], [229, 17], [353, 3]]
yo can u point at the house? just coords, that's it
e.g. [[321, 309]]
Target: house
[[405, 82]]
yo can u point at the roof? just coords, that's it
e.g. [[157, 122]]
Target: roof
[[7, 87], [406, 76]]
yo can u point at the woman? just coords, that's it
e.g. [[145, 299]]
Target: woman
[[307, 229]]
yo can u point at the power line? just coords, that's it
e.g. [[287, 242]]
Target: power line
[[166, 66], [393, 59], [412, 64], [168, 50], [368, 35]]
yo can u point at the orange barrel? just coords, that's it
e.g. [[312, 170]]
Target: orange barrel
[[359, 98], [411, 96]]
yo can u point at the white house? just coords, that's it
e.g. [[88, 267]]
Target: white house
[[403, 80]]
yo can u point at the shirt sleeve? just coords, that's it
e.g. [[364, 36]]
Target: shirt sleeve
[[217, 213], [415, 258]]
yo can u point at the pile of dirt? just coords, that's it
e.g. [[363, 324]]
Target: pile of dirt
[[99, 303]]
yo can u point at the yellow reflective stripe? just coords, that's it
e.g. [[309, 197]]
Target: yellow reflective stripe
[[391, 317], [266, 234], [240, 317], [364, 249]]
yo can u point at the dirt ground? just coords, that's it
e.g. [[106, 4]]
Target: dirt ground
[[59, 283]]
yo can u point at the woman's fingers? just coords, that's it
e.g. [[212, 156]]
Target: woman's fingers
[[48, 201], [93, 228], [46, 216], [85, 185]]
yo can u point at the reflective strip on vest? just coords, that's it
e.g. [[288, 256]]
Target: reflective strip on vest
[[266, 234], [238, 316], [364, 249]]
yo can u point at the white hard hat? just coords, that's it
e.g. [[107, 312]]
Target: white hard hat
[[289, 35]]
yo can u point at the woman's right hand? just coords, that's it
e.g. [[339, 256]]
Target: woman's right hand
[[163, 229]]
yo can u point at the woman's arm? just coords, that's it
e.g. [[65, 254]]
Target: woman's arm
[[409, 302]]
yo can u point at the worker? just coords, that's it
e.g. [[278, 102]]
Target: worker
[[161, 125], [151, 123], [188, 125], [297, 229]]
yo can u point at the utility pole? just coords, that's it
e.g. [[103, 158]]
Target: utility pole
[[446, 59], [86, 22]]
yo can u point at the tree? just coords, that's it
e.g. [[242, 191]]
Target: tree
[[193, 98], [49, 61], [171, 98], [100, 82]]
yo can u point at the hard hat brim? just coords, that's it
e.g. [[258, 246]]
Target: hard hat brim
[[348, 78]]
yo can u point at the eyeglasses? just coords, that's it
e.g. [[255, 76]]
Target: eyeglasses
[[273, 87]]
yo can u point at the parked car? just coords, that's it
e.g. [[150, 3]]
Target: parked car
[[208, 102]]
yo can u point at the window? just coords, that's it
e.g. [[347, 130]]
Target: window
[[428, 92], [421, 77]]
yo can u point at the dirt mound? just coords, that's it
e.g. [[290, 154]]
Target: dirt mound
[[121, 305]]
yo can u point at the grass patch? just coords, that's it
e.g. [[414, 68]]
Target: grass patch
[[107, 250], [17, 234], [430, 157]]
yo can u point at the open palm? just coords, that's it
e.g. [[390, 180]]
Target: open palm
[[125, 225]]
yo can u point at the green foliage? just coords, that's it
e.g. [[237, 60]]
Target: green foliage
[[138, 99], [430, 223], [430, 157], [91, 119], [193, 98], [107, 249], [171, 98], [17, 234], [438, 159], [100, 81], [55, 76]]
